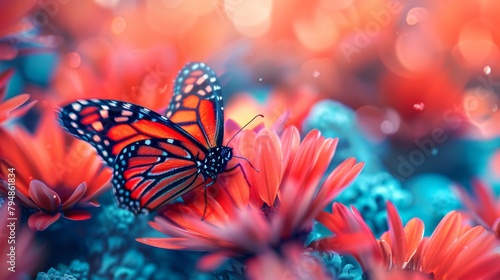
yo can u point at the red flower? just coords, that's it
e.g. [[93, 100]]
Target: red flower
[[454, 250], [484, 209], [10, 108], [54, 175], [280, 205]]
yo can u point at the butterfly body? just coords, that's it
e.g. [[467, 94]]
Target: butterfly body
[[157, 158], [215, 162]]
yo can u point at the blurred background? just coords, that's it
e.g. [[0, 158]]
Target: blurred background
[[410, 87]]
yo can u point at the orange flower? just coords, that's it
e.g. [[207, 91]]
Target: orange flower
[[484, 209], [49, 172], [8, 108], [454, 250], [280, 205]]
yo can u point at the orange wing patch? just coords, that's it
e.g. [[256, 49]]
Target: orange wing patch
[[207, 112]]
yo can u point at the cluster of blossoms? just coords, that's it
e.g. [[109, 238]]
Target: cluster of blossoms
[[263, 213], [265, 217], [254, 213]]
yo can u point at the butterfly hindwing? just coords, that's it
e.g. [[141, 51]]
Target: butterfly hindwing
[[111, 125], [151, 173], [197, 104]]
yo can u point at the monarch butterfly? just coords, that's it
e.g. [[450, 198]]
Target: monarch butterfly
[[156, 158]]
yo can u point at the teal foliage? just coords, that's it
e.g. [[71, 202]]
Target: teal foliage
[[334, 120], [342, 267], [369, 194], [54, 274], [433, 198]]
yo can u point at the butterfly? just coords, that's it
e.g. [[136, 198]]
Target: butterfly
[[156, 158]]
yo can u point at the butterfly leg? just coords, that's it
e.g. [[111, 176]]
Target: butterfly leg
[[242, 171], [206, 199]]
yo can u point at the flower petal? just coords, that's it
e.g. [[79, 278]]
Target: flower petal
[[77, 215], [290, 141], [212, 261], [75, 197], [44, 197], [40, 221], [397, 234], [165, 243], [414, 231], [440, 241], [23, 110], [4, 78], [268, 160], [496, 227], [14, 102]]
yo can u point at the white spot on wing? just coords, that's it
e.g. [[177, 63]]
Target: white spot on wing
[[76, 106]]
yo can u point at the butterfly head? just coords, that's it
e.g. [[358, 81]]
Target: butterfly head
[[216, 161]]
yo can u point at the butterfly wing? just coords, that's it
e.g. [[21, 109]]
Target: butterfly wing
[[197, 105], [111, 125], [151, 173]]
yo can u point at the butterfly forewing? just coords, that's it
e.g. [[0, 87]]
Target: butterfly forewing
[[111, 125], [197, 104]]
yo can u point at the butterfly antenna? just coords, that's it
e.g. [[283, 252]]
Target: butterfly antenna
[[259, 115]]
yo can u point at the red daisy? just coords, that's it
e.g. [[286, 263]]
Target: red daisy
[[453, 251], [49, 173], [284, 198]]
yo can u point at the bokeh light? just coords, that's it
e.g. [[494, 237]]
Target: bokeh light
[[411, 88]]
